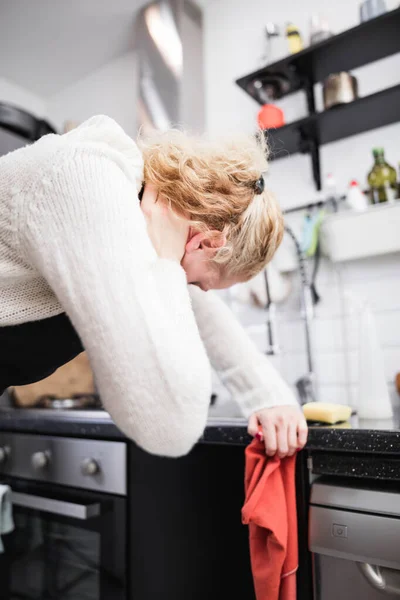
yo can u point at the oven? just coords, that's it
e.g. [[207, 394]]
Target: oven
[[70, 517]]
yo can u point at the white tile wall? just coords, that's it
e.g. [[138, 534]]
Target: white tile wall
[[339, 394], [335, 328]]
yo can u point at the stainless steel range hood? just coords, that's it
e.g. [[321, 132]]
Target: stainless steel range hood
[[169, 42]]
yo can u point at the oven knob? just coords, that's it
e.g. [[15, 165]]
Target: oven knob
[[40, 460], [89, 466], [4, 454]]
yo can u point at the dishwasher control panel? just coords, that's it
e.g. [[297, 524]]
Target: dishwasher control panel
[[355, 521]]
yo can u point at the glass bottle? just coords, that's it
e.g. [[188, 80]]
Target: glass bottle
[[382, 179], [398, 184], [294, 38]]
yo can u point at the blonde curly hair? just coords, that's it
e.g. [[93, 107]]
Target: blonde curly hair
[[214, 182]]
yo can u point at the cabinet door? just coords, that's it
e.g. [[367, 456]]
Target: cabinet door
[[187, 538]]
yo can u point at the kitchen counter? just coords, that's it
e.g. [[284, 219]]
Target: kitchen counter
[[367, 449], [361, 436], [97, 424]]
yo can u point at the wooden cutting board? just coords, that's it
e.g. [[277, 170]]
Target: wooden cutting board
[[75, 377]]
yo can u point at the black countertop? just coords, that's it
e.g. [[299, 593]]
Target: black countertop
[[95, 424], [360, 436]]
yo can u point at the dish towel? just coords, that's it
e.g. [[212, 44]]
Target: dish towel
[[270, 512], [6, 518]]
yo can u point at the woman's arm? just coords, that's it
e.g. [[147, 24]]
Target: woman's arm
[[246, 372], [249, 376], [84, 231]]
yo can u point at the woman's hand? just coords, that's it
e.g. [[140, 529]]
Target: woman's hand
[[284, 429], [168, 232]]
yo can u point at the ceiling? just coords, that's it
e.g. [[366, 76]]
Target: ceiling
[[46, 45]]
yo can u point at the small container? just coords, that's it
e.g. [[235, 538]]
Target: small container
[[339, 88], [369, 9], [330, 187], [294, 38], [355, 198], [270, 116], [319, 29], [271, 32]]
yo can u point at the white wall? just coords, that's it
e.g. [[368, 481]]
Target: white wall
[[233, 46], [110, 90], [20, 97]]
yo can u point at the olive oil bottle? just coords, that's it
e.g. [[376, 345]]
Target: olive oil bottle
[[382, 179]]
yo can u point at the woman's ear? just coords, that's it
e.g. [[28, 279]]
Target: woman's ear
[[210, 240], [214, 240], [195, 241]]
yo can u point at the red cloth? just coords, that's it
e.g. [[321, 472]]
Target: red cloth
[[270, 512]]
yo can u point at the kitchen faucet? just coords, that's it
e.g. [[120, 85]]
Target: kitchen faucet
[[306, 384]]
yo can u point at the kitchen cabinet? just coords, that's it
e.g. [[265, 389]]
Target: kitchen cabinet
[[185, 537], [187, 540], [186, 523]]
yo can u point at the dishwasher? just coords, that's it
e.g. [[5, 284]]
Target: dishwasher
[[354, 535]]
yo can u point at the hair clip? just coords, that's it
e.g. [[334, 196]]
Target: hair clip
[[259, 185]]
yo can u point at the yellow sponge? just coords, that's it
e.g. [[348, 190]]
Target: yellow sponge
[[326, 413]]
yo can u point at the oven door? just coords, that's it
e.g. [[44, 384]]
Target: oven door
[[67, 544]]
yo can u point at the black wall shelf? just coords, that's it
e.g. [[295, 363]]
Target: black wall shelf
[[370, 41], [306, 135]]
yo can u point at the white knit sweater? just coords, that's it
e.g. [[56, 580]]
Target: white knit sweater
[[73, 239]]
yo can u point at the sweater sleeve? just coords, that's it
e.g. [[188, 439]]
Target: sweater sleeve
[[248, 375], [84, 231]]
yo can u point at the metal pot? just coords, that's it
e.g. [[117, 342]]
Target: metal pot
[[72, 380], [339, 88]]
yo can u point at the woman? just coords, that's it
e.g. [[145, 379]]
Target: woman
[[82, 262]]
